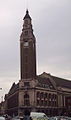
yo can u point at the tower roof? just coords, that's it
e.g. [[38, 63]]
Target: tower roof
[[27, 15]]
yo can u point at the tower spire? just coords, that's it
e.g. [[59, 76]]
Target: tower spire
[[27, 15], [27, 12], [27, 3]]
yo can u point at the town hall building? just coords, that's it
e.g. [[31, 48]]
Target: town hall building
[[42, 93]]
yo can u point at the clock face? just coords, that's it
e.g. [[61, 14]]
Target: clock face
[[26, 44]]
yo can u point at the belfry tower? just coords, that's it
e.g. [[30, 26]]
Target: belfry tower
[[27, 50], [27, 82]]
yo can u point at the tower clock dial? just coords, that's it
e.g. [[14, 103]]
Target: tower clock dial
[[26, 44]]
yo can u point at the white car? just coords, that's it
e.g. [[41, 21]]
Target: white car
[[2, 118], [16, 118], [38, 116]]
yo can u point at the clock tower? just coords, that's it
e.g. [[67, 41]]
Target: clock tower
[[27, 50]]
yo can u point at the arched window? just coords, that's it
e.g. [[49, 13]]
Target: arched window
[[42, 95], [49, 99], [56, 99], [45, 95], [26, 100], [50, 95], [52, 99], [38, 94], [26, 21], [38, 98], [41, 98], [45, 99]]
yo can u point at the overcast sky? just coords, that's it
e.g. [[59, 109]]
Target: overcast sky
[[51, 21]]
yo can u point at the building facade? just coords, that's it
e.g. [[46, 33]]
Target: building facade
[[44, 93]]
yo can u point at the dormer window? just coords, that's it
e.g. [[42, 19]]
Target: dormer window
[[26, 21]]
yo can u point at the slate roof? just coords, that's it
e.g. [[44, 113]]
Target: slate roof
[[44, 82], [27, 15], [62, 82], [13, 88]]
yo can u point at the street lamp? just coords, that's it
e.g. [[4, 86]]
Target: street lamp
[[1, 89]]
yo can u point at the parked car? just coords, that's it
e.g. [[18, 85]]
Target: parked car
[[16, 118], [38, 116], [2, 118], [60, 118], [7, 117]]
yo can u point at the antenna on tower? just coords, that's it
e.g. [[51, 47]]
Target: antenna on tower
[[27, 4]]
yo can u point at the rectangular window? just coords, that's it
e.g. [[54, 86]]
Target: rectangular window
[[26, 84], [26, 59], [26, 32]]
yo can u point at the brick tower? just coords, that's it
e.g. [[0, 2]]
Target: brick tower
[[27, 50], [27, 82]]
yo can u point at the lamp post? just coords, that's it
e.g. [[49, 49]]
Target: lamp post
[[0, 88]]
